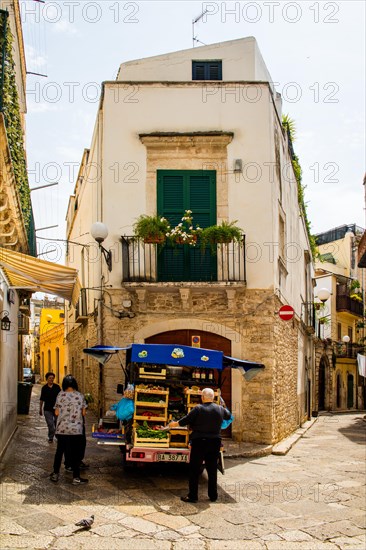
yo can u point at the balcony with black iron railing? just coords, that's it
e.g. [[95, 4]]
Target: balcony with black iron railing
[[23, 324], [308, 316], [158, 263], [348, 350], [347, 304]]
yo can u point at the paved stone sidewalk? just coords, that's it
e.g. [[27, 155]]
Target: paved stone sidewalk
[[312, 498]]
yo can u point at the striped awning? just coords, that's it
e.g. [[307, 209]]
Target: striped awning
[[28, 273]]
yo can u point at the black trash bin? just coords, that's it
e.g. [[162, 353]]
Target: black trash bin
[[24, 397]]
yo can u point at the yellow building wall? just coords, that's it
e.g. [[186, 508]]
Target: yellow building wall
[[51, 344], [346, 384]]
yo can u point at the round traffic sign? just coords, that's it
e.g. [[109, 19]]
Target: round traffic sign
[[286, 313]]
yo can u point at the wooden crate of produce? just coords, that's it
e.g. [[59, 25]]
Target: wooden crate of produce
[[150, 441], [152, 372], [179, 437], [159, 411], [193, 395], [151, 418]]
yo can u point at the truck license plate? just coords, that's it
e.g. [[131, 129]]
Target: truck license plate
[[167, 457]]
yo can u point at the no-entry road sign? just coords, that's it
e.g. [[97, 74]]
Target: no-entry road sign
[[286, 313]]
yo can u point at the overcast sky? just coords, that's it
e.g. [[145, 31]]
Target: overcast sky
[[314, 51]]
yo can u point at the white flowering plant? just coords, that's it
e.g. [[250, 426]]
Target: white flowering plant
[[184, 232]]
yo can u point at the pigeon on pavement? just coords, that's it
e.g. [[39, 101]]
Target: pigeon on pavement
[[86, 522]]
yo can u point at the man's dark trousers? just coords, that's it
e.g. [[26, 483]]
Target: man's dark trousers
[[204, 450]]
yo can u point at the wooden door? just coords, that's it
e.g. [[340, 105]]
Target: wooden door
[[321, 386], [350, 404]]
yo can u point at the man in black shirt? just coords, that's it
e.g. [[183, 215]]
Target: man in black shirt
[[48, 397], [205, 422]]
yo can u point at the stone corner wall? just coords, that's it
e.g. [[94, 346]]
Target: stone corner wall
[[266, 409]]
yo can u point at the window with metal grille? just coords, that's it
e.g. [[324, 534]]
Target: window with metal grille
[[207, 70]]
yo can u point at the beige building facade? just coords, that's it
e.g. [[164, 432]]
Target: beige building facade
[[341, 323], [198, 129]]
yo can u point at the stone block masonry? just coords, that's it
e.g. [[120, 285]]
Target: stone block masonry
[[267, 409]]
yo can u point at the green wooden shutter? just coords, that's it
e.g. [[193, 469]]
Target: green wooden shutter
[[177, 191]]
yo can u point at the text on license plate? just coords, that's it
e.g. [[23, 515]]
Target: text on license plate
[[167, 457]]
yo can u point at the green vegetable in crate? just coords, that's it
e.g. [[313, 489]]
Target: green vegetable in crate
[[149, 398], [146, 431]]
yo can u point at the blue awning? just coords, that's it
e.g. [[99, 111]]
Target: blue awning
[[102, 353], [167, 354]]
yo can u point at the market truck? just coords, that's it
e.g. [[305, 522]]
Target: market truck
[[165, 383]]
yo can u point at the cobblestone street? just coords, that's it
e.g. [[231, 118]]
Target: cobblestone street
[[313, 498]]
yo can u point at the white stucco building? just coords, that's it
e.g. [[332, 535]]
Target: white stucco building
[[198, 129]]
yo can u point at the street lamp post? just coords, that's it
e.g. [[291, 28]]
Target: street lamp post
[[323, 295], [99, 232]]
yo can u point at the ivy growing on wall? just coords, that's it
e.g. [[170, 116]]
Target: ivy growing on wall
[[289, 126], [13, 123]]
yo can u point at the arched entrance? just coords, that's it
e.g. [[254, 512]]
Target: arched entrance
[[321, 385], [350, 403], [207, 340]]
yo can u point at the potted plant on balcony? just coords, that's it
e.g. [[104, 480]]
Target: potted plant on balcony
[[151, 229], [355, 292], [226, 232], [184, 232], [324, 320]]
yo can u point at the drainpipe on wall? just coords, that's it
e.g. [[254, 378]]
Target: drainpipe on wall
[[100, 327]]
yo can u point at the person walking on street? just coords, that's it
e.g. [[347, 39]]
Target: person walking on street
[[205, 422], [70, 408], [83, 465], [47, 402]]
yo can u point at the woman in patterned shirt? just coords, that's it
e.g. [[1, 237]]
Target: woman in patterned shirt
[[70, 408]]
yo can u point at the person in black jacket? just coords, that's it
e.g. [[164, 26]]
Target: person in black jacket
[[47, 402], [205, 422]]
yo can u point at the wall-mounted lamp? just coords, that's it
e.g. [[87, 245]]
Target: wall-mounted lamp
[[346, 339], [5, 321], [99, 232], [238, 166], [323, 294]]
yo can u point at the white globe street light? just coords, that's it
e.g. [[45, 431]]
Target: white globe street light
[[323, 294], [99, 232], [346, 339]]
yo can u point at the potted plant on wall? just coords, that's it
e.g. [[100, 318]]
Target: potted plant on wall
[[226, 232], [151, 229]]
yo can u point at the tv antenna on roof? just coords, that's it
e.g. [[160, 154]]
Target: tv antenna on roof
[[194, 38]]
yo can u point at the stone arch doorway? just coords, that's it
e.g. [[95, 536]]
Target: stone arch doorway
[[321, 385], [207, 340], [350, 388]]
